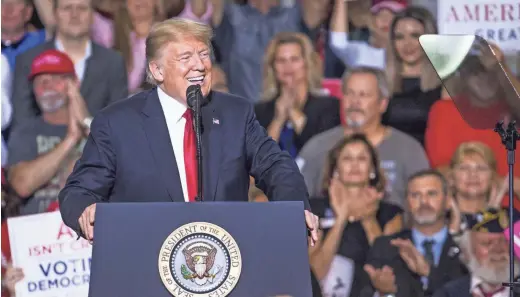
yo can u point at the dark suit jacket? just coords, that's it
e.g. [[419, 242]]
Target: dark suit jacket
[[456, 288], [409, 284], [322, 113], [104, 82], [129, 157]]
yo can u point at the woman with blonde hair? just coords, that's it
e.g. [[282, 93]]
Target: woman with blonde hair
[[413, 82], [292, 108], [475, 183]]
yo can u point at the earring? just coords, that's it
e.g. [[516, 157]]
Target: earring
[[372, 175]]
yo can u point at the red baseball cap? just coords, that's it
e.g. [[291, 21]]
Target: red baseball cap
[[52, 61], [393, 5]]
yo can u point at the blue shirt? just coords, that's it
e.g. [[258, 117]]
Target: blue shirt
[[439, 238], [29, 40]]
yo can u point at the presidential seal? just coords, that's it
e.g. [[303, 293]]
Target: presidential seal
[[200, 260]]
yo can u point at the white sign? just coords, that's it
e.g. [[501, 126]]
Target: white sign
[[54, 262], [497, 21]]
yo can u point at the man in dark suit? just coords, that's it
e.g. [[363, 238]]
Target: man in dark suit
[[416, 262], [486, 251], [143, 148], [101, 71]]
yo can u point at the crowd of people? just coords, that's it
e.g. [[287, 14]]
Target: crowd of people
[[411, 199]]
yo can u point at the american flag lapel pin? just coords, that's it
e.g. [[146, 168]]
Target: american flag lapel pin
[[216, 121]]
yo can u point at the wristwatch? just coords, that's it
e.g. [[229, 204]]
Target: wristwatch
[[388, 295], [87, 121]]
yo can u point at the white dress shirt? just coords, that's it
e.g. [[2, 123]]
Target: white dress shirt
[[81, 65], [476, 281], [173, 112]]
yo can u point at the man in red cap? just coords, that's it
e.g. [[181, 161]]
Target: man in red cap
[[41, 148]]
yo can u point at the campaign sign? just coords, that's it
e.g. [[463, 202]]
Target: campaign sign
[[497, 21], [55, 263]]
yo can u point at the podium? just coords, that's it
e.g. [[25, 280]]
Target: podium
[[210, 249]]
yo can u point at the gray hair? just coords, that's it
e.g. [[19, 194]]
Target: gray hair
[[382, 82], [172, 30]]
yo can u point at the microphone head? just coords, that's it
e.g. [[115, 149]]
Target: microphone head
[[192, 93]]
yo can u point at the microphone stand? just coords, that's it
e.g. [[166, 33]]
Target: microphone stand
[[198, 127], [509, 138]]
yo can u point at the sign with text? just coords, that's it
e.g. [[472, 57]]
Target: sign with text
[[497, 21], [54, 262]]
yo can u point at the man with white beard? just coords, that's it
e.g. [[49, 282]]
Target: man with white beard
[[420, 260], [41, 148], [486, 251]]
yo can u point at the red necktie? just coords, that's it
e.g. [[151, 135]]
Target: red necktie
[[190, 155]]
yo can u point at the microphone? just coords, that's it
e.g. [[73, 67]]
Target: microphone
[[195, 101]]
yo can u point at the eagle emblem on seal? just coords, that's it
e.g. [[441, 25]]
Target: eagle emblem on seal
[[200, 258]]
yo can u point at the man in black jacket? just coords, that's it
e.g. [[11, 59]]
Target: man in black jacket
[[416, 262]]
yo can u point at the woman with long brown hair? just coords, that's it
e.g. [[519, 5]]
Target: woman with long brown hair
[[413, 82], [292, 108], [127, 34], [352, 214]]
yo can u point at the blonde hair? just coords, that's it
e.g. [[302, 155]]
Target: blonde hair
[[172, 30], [429, 78], [313, 63], [474, 148]]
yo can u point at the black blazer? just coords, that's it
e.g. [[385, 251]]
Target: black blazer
[[129, 157], [409, 284], [104, 82], [322, 114]]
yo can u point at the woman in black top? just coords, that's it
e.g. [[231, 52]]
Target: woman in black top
[[352, 215], [415, 85], [292, 109]]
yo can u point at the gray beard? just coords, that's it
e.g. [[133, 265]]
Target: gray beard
[[50, 102], [425, 219], [354, 124], [200, 269]]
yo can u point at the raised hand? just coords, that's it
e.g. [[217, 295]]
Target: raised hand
[[411, 256], [338, 200], [382, 279]]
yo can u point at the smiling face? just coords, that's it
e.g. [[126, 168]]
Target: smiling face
[[184, 63], [50, 91], [289, 64], [406, 40], [354, 164], [472, 176]]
